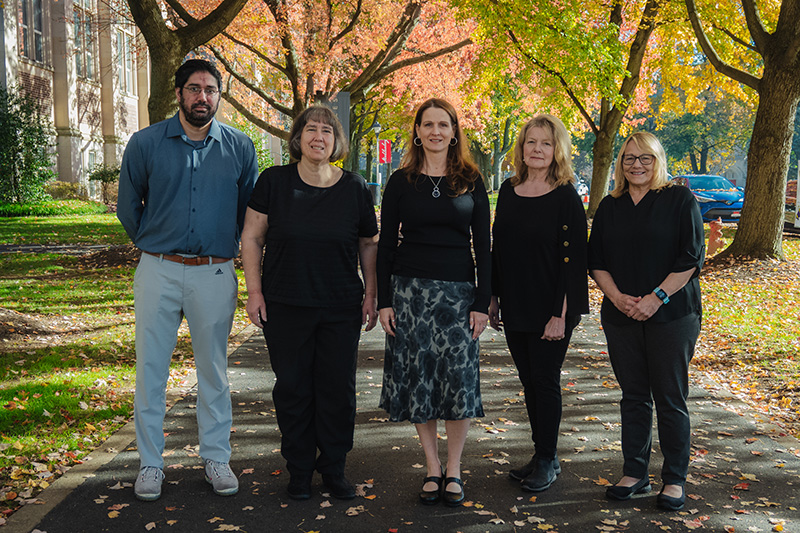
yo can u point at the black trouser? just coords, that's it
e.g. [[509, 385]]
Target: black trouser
[[539, 366], [313, 354], [651, 362]]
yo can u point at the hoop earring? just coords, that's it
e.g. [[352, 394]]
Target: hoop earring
[[453, 139], [417, 143]]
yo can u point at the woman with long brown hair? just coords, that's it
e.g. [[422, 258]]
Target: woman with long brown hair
[[429, 303]]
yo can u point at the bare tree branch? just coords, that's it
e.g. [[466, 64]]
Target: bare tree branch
[[247, 83], [734, 38], [425, 57], [258, 121], [708, 49], [757, 31], [560, 77], [182, 13], [348, 28], [258, 53]]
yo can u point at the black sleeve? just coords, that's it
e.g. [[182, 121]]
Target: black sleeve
[[497, 280], [368, 222], [387, 244], [481, 242], [691, 237], [259, 198], [572, 277], [596, 259]]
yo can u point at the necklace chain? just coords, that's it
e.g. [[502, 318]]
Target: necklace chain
[[436, 192]]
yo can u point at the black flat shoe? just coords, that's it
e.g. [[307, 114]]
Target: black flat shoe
[[668, 503], [541, 478], [454, 499], [299, 487], [431, 497], [615, 492], [339, 486], [524, 471]]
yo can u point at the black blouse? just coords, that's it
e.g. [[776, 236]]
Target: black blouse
[[641, 244], [311, 255], [539, 257], [436, 234]]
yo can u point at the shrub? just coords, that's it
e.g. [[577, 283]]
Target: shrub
[[52, 208], [64, 190], [107, 175], [25, 139]]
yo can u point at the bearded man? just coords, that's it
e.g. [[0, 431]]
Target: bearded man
[[183, 192]]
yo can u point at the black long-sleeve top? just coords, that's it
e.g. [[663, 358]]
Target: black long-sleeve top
[[641, 244], [436, 234], [539, 257]]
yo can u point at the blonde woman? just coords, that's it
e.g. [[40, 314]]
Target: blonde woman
[[539, 281], [645, 254]]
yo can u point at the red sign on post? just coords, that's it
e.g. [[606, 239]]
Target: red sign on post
[[384, 151]]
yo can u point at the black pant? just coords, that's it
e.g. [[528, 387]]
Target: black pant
[[313, 354], [651, 362], [539, 366]]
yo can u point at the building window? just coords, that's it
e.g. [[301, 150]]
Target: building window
[[84, 39], [31, 29], [127, 64]]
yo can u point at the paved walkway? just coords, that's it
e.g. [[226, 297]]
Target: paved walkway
[[744, 475]]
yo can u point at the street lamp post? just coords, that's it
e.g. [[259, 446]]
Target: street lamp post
[[377, 129]]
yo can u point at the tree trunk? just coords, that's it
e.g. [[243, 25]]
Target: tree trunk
[[602, 156], [165, 61], [693, 161], [704, 158], [761, 227]]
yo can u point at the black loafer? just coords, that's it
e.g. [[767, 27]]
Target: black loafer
[[668, 503], [615, 492], [454, 499], [541, 478], [524, 471], [339, 486], [431, 497], [299, 487]]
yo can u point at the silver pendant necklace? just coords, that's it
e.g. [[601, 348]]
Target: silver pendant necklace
[[436, 192]]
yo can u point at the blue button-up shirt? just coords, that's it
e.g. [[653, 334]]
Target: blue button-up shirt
[[182, 196]]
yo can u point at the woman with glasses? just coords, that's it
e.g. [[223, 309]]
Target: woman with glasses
[[645, 253], [539, 281]]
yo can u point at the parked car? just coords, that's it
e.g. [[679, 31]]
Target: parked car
[[717, 196]]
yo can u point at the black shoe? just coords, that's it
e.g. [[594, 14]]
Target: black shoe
[[668, 503], [339, 486], [524, 471], [615, 492], [454, 499], [299, 487], [431, 497], [543, 475]]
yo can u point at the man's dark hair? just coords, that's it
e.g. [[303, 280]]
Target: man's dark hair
[[191, 66]]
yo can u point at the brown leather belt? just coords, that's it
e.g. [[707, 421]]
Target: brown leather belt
[[190, 261]]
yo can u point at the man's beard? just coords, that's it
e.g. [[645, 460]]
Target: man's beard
[[200, 114]]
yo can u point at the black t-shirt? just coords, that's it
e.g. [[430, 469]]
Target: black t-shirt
[[311, 254], [640, 244], [436, 234], [539, 256]]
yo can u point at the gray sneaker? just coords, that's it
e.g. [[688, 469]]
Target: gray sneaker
[[148, 484], [221, 478]]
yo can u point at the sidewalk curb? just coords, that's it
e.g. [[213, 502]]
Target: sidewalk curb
[[26, 517]]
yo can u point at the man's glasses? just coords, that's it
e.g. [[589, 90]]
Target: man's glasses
[[210, 91], [645, 159]]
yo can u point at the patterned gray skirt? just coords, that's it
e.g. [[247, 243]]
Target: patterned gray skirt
[[431, 367]]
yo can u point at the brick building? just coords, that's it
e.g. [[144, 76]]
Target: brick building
[[87, 66]]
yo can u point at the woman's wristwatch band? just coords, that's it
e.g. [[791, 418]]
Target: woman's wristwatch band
[[658, 291]]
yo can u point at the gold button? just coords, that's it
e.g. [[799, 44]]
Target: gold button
[[566, 243], [565, 227], [566, 259]]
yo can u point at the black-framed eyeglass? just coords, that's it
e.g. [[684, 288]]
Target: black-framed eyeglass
[[195, 90], [645, 159]]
